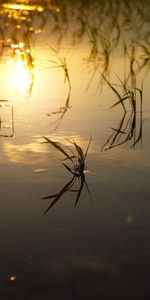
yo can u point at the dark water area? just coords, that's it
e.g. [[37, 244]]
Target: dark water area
[[74, 150]]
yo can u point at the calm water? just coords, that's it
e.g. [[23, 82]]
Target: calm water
[[69, 71]]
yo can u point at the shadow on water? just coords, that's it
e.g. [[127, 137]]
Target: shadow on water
[[74, 162]]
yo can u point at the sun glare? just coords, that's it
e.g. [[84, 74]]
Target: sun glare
[[21, 78], [22, 70]]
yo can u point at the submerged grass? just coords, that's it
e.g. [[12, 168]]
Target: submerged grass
[[74, 163]]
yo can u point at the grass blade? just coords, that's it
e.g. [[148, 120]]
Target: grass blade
[[58, 147], [82, 178], [60, 194], [87, 149]]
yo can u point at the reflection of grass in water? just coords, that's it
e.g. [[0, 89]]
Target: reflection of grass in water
[[127, 128], [121, 98], [125, 132], [61, 112], [74, 162], [109, 17], [145, 57], [59, 62], [105, 23], [100, 55]]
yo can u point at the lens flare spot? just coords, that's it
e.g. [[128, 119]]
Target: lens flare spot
[[12, 278]]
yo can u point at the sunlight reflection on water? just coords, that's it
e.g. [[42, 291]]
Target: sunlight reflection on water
[[22, 7], [20, 78]]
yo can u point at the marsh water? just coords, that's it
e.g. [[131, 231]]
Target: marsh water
[[71, 72]]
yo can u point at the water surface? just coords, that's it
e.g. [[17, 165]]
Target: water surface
[[64, 66]]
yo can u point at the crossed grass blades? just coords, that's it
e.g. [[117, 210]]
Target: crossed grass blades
[[74, 163]]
